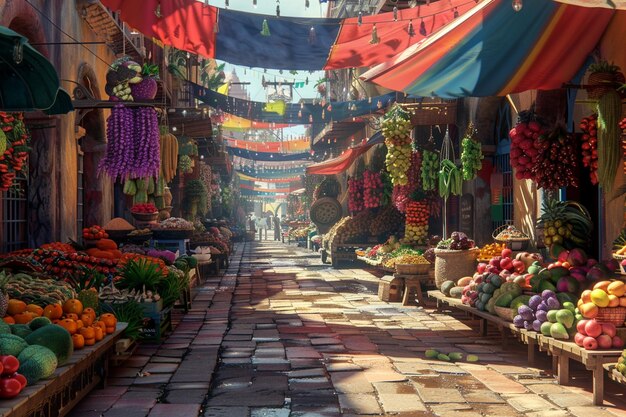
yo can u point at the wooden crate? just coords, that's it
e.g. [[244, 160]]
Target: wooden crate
[[390, 288]]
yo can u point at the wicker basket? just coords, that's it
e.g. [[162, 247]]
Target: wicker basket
[[516, 244], [412, 269], [600, 83], [145, 217], [614, 315], [454, 264], [505, 313]]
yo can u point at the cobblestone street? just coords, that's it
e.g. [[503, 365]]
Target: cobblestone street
[[279, 334]]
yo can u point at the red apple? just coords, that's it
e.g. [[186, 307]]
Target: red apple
[[593, 328], [506, 253], [519, 266], [580, 326], [604, 341], [495, 261], [609, 329], [481, 268], [579, 338], [590, 343], [618, 343], [506, 263]]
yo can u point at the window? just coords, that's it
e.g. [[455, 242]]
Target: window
[[14, 217]]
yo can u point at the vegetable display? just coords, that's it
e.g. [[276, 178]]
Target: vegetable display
[[450, 179], [14, 139], [430, 170], [589, 145], [556, 160], [416, 226]]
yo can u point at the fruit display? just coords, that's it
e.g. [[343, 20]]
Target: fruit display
[[416, 225], [471, 158], [525, 145], [396, 129], [621, 363], [355, 195], [386, 222], [603, 296], [94, 232], [450, 179], [592, 335], [457, 241], [372, 189], [490, 250], [36, 290], [589, 145], [544, 313], [14, 140], [144, 208], [430, 170], [401, 194], [565, 223], [12, 382], [556, 162], [609, 110], [411, 260]]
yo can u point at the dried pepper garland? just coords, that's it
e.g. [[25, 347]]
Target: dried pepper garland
[[14, 148]]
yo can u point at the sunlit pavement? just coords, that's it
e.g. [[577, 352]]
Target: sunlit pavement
[[279, 334]]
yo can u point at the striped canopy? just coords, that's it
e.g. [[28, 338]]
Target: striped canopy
[[493, 50]]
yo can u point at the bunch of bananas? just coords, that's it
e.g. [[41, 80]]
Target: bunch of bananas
[[566, 223]]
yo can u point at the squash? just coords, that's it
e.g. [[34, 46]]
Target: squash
[[106, 244]]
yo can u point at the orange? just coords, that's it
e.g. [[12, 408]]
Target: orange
[[99, 333], [73, 306], [23, 318], [69, 325], [87, 332], [78, 340], [91, 312], [101, 325], [90, 342], [35, 309], [9, 320], [109, 319], [71, 316], [110, 330], [79, 324], [53, 311], [86, 319], [16, 307]]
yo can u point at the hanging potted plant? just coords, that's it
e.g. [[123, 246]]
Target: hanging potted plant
[[603, 78], [195, 199]]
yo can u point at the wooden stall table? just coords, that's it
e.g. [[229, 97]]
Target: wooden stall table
[[57, 395]]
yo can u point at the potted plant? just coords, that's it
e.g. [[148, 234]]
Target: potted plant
[[195, 199], [603, 77]]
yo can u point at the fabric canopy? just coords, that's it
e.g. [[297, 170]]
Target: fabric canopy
[[239, 124], [282, 190], [286, 180], [293, 43], [305, 113], [354, 49], [271, 173], [493, 50], [344, 161], [188, 25], [268, 156], [284, 147], [28, 81], [609, 4]]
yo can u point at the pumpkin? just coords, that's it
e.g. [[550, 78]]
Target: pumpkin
[[90, 342], [23, 318], [71, 316], [78, 341], [8, 320], [16, 307], [73, 306], [79, 324], [101, 325], [108, 319], [35, 309], [116, 253], [110, 330], [53, 311], [86, 319], [106, 244], [90, 311], [69, 325]]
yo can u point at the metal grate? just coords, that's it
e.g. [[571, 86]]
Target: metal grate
[[504, 166], [14, 221]]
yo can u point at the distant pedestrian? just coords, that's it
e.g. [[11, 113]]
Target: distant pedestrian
[[262, 227], [276, 228]]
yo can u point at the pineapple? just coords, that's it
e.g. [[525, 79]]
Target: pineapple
[[4, 297], [89, 298]]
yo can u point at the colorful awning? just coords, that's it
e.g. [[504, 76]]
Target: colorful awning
[[240, 124], [344, 161], [288, 146], [493, 50], [285, 180], [269, 156]]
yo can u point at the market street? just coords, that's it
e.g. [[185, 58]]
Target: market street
[[279, 334]]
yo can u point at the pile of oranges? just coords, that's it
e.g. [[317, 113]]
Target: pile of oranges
[[82, 323]]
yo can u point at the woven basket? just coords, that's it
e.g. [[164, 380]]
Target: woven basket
[[614, 315], [412, 269], [600, 83], [454, 264], [505, 313], [145, 217]]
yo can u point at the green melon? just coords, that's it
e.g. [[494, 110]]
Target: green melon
[[456, 292], [11, 344], [37, 362], [446, 287], [55, 338], [21, 330]]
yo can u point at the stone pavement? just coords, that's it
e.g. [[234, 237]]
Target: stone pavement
[[281, 335]]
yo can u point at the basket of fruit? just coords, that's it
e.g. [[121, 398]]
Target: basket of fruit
[[614, 315], [145, 212], [511, 237], [173, 228], [412, 265], [455, 258]]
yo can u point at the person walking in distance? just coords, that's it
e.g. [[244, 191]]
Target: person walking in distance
[[276, 227], [268, 224], [261, 225]]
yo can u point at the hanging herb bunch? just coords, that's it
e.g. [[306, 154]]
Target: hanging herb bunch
[[14, 139], [195, 199], [471, 155]]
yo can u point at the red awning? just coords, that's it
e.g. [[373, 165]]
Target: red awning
[[338, 165]]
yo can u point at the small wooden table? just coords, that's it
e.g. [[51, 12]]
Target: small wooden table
[[412, 288]]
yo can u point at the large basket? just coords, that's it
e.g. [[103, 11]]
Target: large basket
[[516, 244], [454, 264], [600, 83], [145, 217], [614, 315], [412, 269], [505, 313]]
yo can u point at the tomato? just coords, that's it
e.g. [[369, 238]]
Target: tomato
[[9, 364], [9, 387], [20, 378]]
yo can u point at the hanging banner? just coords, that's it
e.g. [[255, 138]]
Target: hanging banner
[[288, 146]]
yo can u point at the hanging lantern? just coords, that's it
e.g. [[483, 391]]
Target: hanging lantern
[[517, 5], [423, 31], [375, 39], [359, 19], [410, 29], [395, 13], [312, 36]]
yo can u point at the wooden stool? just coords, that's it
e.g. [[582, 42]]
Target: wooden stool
[[413, 290]]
